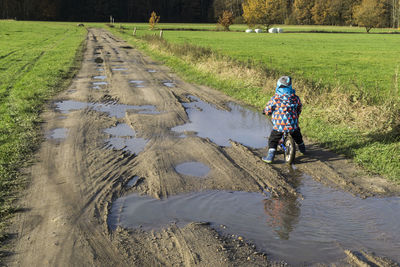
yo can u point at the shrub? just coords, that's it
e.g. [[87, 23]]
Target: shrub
[[154, 19], [226, 19]]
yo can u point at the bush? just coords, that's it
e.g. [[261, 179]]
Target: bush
[[154, 19], [226, 20]]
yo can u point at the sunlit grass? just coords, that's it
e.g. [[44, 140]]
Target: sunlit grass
[[37, 59]]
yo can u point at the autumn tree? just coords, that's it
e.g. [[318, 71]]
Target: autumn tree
[[226, 19], [302, 11], [154, 19], [370, 14], [264, 12], [277, 10], [255, 12], [319, 12]]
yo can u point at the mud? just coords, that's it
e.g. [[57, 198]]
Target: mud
[[74, 182], [197, 169]]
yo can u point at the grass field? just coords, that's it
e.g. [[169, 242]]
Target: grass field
[[355, 62], [37, 58], [348, 81]]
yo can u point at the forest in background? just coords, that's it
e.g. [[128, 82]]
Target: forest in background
[[321, 12]]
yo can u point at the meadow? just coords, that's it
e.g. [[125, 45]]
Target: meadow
[[347, 81], [37, 59], [355, 62]]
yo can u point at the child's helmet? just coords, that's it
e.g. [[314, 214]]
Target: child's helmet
[[284, 81]]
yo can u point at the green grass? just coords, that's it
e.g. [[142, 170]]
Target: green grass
[[365, 77], [360, 63], [37, 60]]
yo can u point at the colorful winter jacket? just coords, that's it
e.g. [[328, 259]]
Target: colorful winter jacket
[[285, 108]]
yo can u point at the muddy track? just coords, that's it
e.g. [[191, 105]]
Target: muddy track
[[76, 177]]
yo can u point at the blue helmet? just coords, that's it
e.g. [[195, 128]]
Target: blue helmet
[[284, 81], [284, 86]]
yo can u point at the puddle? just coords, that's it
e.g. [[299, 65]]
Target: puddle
[[313, 230], [197, 169], [100, 77], [137, 83], [96, 87], [100, 83], [169, 84], [100, 69], [243, 125], [133, 182], [121, 130], [151, 71], [113, 110], [70, 105], [59, 133], [123, 138], [119, 69]]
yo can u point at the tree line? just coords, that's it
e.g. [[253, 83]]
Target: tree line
[[321, 12], [101, 10]]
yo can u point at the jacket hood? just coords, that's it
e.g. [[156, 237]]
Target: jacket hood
[[284, 86], [288, 90]]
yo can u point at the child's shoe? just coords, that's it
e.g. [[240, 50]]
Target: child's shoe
[[270, 157], [302, 148]]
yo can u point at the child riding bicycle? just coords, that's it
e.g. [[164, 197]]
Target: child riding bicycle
[[285, 108]]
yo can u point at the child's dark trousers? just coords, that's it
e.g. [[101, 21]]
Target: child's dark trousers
[[275, 136]]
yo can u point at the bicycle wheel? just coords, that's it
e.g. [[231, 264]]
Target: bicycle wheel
[[290, 151]]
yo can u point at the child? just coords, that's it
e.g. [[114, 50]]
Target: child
[[285, 108]]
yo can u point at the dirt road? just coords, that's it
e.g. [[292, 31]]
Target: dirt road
[[77, 174]]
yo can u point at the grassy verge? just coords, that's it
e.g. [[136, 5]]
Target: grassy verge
[[361, 123], [38, 60]]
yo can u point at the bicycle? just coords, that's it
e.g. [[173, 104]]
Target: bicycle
[[288, 146]]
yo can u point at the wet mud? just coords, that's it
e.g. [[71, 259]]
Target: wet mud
[[145, 169]]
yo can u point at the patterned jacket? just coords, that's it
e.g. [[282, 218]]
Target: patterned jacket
[[285, 108]]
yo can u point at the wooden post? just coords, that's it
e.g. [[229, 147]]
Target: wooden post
[[161, 34], [134, 31]]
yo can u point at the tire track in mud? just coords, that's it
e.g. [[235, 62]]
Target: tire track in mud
[[75, 180]]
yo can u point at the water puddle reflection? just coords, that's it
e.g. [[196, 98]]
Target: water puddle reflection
[[113, 110], [169, 84], [133, 182], [123, 138], [197, 169], [137, 83], [121, 130], [243, 125], [312, 230], [100, 77], [59, 133], [99, 83], [131, 145], [151, 71]]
